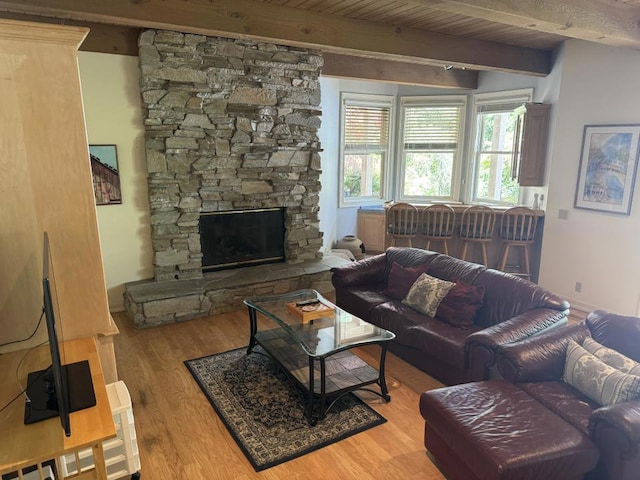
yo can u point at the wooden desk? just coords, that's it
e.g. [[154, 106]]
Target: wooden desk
[[25, 445]]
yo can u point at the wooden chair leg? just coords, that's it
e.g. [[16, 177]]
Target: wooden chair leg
[[428, 245], [526, 261], [463, 253], [446, 247], [505, 257], [484, 254]]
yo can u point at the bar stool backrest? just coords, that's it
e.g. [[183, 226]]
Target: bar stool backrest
[[518, 225], [402, 219], [477, 223], [438, 221]]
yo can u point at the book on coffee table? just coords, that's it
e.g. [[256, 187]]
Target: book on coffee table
[[311, 311]]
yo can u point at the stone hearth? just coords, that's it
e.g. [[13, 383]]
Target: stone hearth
[[150, 303]]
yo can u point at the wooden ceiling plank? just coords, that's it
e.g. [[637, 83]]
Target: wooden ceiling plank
[[290, 26], [344, 66], [601, 21]]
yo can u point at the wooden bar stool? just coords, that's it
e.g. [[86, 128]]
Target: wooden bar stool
[[476, 227], [402, 222], [518, 229], [437, 225]]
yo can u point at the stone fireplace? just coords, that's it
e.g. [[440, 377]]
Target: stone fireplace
[[231, 125]]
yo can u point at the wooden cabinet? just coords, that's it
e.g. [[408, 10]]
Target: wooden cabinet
[[532, 131], [47, 186], [371, 230]]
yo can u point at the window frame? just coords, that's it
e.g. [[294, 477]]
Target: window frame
[[366, 100], [514, 97], [458, 159]]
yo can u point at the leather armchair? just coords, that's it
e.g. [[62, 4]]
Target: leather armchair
[[536, 365]]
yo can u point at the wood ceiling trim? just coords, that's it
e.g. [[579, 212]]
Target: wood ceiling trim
[[601, 21], [344, 66], [290, 26]]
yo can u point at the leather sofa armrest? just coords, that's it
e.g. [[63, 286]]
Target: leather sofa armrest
[[481, 347], [624, 417], [364, 272], [541, 357]]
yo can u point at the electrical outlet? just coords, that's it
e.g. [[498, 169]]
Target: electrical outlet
[[563, 214], [578, 287]]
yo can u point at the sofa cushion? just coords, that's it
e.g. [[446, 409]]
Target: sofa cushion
[[413, 329], [611, 357], [454, 269], [402, 278], [507, 296], [596, 379], [407, 257], [563, 400], [460, 306], [501, 433], [427, 293], [619, 332], [359, 300]]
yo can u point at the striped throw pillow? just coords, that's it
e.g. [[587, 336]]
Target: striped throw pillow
[[611, 357], [597, 380]]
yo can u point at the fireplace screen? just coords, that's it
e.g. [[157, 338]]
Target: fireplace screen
[[241, 238]]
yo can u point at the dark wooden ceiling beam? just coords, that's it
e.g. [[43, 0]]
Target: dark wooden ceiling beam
[[290, 26], [344, 66], [601, 21]]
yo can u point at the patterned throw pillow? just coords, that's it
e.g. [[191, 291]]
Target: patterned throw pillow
[[426, 294], [597, 380], [611, 357]]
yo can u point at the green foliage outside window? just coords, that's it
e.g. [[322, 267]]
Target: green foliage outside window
[[428, 174]]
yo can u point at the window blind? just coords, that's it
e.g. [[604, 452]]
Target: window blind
[[366, 126], [432, 127]]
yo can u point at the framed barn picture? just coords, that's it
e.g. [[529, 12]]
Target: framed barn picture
[[106, 176]]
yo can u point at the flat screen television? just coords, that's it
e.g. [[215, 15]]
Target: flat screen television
[[59, 389]]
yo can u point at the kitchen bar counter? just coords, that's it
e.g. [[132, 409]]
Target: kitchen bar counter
[[372, 232]]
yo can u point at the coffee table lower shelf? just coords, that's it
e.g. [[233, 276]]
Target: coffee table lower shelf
[[333, 376]]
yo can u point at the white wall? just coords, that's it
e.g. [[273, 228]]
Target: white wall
[[111, 96], [599, 86]]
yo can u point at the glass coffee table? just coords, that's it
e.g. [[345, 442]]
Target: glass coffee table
[[311, 339]]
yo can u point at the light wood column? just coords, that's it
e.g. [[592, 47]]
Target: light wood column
[[46, 185]]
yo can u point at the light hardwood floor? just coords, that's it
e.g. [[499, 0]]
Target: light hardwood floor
[[181, 437]]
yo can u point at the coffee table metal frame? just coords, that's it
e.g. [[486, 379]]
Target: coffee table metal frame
[[295, 336]]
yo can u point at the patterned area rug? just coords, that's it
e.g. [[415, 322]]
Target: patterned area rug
[[263, 409]]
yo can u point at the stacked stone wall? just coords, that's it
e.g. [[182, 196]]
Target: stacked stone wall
[[230, 125]]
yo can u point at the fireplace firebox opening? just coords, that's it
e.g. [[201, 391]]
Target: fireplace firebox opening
[[237, 238]]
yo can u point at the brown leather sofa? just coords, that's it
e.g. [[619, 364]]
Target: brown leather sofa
[[532, 424], [512, 309]]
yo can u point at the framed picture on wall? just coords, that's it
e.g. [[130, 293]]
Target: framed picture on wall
[[608, 165], [106, 176]]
